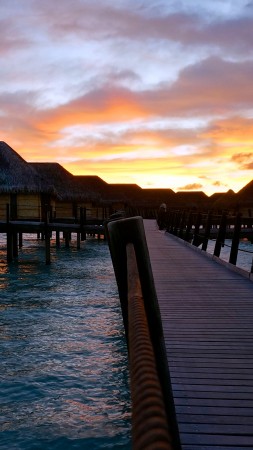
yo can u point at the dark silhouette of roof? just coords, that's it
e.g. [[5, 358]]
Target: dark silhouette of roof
[[245, 195], [225, 200], [191, 199]]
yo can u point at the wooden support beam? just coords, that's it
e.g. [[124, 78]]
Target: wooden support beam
[[47, 247], [58, 243], [9, 246], [20, 240], [78, 241], [15, 245]]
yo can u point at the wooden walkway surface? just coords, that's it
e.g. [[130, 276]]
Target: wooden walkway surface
[[207, 316]]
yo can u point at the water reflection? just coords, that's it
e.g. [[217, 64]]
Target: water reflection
[[64, 378]]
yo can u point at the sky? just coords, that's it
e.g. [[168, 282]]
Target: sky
[[157, 93]]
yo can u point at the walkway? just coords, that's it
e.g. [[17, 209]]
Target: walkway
[[207, 316]]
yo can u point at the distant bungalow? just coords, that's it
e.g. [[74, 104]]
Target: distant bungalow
[[32, 189]]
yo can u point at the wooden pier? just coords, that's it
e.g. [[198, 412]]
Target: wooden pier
[[15, 229], [207, 315]]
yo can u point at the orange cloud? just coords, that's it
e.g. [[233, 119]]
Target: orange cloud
[[191, 187]]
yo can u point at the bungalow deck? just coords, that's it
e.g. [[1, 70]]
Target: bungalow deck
[[207, 314]]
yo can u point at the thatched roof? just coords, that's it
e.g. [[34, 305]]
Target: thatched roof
[[91, 183], [16, 175], [192, 199], [245, 196], [64, 183], [225, 200], [122, 192], [155, 197], [109, 193]]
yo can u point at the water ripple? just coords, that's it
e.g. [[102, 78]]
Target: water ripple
[[64, 376]]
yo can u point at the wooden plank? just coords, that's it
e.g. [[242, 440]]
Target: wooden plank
[[206, 311]]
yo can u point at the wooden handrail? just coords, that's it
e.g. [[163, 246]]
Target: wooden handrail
[[149, 421], [144, 333], [197, 228]]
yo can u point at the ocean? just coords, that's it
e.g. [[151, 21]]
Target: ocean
[[64, 381], [245, 252]]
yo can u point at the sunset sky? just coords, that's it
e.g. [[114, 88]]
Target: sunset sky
[[158, 93]]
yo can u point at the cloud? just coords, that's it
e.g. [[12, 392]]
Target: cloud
[[130, 87], [243, 160], [191, 187], [204, 89]]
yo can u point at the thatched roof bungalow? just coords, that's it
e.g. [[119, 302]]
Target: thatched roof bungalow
[[70, 196], [16, 175], [196, 200], [112, 197], [20, 186], [155, 197], [223, 201], [244, 200]]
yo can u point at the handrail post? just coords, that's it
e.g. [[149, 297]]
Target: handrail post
[[235, 240], [207, 231], [188, 227], [173, 221], [167, 221], [221, 235], [196, 238], [181, 224], [176, 222]]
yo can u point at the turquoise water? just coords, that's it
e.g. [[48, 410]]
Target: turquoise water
[[64, 376]]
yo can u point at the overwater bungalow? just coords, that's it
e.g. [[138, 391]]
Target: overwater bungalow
[[154, 197], [97, 207], [111, 197], [70, 196], [224, 201], [194, 200], [21, 188], [244, 200]]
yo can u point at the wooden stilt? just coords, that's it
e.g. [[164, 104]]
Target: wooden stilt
[[9, 246], [58, 239], [66, 239], [20, 240], [83, 236], [78, 241], [47, 247], [15, 244]]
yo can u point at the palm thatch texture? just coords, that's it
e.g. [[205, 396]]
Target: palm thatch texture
[[65, 184], [16, 175]]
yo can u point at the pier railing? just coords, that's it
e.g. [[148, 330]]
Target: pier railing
[[200, 228], [153, 415]]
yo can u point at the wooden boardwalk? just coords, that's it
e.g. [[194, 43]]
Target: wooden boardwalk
[[207, 317]]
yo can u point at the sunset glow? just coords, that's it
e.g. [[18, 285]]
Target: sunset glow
[[157, 93]]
